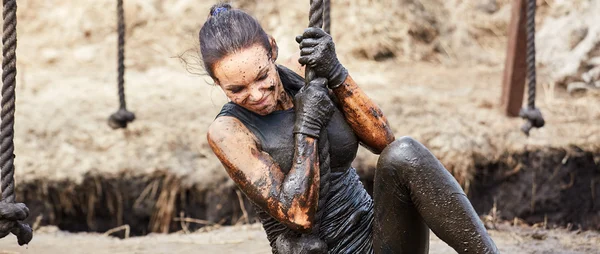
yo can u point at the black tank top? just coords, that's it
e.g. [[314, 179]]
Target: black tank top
[[346, 223]]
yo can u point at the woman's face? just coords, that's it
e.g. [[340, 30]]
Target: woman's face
[[249, 78]]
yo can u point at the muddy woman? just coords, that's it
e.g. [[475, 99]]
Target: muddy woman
[[276, 137]]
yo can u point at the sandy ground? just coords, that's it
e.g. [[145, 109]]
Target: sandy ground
[[251, 239]]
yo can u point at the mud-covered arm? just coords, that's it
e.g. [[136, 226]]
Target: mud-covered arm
[[364, 116], [291, 199], [317, 51]]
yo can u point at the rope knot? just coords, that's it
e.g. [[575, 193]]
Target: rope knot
[[11, 215], [218, 10], [534, 119], [120, 119]]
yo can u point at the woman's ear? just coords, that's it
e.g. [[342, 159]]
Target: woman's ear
[[274, 48]]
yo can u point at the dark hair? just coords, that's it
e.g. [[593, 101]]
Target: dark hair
[[226, 31]]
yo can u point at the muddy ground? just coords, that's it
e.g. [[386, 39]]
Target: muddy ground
[[252, 239]]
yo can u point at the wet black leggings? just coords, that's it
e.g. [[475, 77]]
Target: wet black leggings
[[414, 192]]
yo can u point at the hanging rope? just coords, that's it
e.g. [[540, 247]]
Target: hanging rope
[[316, 17], [327, 16], [122, 117], [532, 114], [11, 213], [315, 20]]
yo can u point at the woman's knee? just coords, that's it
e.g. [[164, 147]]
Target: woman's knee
[[402, 152], [405, 156]]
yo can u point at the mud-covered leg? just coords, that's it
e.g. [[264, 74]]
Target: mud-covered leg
[[397, 226], [413, 190]]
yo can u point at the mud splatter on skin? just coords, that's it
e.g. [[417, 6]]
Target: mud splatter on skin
[[253, 84], [364, 116], [291, 199]]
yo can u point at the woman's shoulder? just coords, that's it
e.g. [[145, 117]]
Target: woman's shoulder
[[227, 129], [234, 110], [233, 114]]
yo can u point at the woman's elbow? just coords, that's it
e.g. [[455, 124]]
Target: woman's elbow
[[377, 145], [385, 141], [301, 219], [301, 226]]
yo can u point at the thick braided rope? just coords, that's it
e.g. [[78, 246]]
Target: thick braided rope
[[122, 117], [9, 72], [324, 175], [531, 113], [316, 14], [10, 213], [121, 53], [531, 75], [327, 16], [316, 20]]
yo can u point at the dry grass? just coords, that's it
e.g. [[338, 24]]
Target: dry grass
[[165, 205], [102, 199]]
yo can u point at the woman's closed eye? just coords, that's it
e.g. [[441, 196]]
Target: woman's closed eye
[[236, 89], [263, 77]]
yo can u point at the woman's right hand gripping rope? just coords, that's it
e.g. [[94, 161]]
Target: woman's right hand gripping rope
[[314, 108]]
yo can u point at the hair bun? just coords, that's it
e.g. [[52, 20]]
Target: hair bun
[[219, 8]]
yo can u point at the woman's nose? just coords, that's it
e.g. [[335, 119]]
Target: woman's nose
[[256, 93]]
